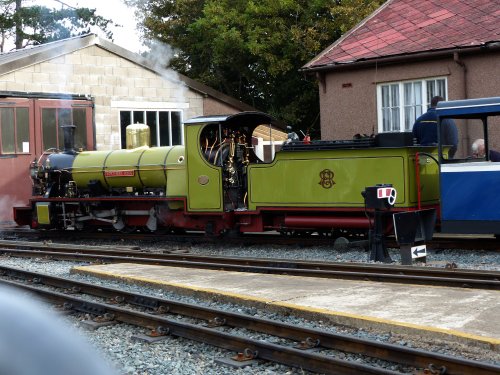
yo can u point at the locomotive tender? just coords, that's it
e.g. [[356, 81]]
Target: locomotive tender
[[216, 183]]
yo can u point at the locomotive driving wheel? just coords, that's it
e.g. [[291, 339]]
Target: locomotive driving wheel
[[121, 226]]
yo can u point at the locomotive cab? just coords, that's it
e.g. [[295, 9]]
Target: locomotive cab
[[219, 151]]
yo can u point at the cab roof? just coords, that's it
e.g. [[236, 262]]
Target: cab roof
[[250, 119], [470, 108]]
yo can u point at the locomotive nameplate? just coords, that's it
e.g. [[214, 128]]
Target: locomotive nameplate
[[120, 173]]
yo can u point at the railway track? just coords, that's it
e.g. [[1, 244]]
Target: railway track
[[306, 348], [449, 277], [439, 242]]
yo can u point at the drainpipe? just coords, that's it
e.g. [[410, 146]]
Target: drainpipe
[[320, 76], [456, 59], [459, 62]]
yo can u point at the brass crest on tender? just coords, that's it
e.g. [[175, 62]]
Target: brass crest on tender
[[326, 179]]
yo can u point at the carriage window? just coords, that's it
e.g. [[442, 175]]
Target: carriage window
[[14, 130], [471, 148]]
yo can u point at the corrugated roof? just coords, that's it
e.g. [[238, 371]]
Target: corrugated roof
[[276, 135], [401, 27], [18, 59]]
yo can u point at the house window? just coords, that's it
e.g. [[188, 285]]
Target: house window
[[166, 127], [400, 103], [14, 130]]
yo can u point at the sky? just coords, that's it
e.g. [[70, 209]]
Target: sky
[[126, 36]]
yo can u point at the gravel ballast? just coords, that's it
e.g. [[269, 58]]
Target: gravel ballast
[[180, 356]]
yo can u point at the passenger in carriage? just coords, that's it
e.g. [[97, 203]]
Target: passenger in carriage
[[478, 148], [478, 151]]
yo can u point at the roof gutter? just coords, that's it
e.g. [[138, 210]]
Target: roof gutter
[[43, 95], [427, 55]]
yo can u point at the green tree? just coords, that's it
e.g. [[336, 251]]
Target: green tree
[[32, 25], [253, 49]]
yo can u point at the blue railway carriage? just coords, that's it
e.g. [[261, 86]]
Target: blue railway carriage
[[470, 182]]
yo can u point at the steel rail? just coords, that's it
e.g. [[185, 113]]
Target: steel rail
[[132, 251], [349, 271], [440, 241], [326, 340]]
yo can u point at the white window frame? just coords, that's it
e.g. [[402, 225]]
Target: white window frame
[[157, 130], [425, 102]]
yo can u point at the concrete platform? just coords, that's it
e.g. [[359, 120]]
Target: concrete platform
[[464, 315]]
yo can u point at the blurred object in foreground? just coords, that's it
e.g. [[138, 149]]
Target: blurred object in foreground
[[34, 341]]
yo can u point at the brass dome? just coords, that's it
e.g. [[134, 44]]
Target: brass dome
[[137, 135]]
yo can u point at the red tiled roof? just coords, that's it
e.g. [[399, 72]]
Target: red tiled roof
[[411, 26]]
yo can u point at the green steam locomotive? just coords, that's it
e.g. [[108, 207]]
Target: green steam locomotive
[[219, 183]]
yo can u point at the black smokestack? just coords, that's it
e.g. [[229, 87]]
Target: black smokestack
[[69, 139]]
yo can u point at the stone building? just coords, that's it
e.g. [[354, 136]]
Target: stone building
[[97, 86]]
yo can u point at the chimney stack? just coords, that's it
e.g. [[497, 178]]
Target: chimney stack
[[69, 139]]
